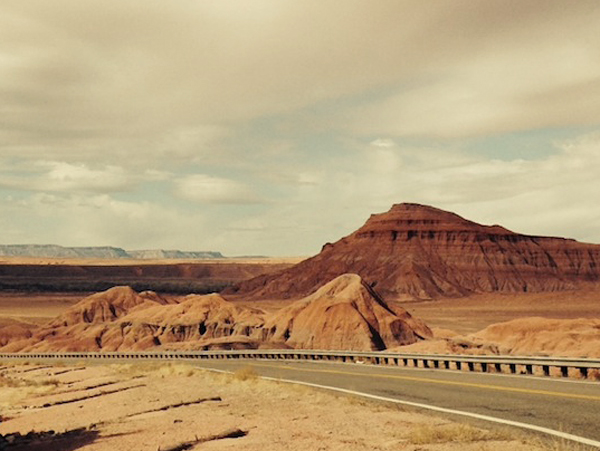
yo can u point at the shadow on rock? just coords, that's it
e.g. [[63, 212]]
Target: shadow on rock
[[48, 440]]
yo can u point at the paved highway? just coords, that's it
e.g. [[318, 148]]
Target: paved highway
[[571, 407]]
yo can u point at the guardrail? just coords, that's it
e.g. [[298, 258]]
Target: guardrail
[[542, 366]]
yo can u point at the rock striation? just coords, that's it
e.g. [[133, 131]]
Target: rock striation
[[344, 314], [420, 252]]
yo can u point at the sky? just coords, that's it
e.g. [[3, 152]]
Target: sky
[[269, 127]]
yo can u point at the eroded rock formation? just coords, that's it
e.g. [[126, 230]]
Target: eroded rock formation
[[420, 252], [343, 314]]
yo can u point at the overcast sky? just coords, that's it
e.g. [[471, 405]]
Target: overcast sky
[[272, 127]]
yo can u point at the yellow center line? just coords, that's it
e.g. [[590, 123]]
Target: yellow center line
[[440, 382]]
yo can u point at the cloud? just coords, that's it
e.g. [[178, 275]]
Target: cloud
[[59, 176], [330, 110], [82, 220], [214, 190], [157, 80]]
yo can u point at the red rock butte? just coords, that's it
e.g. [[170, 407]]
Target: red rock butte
[[420, 252]]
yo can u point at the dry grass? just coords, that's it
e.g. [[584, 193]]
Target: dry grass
[[557, 444], [245, 374], [11, 382], [176, 369], [164, 369], [448, 433]]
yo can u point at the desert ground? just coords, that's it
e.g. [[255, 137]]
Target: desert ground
[[473, 313], [173, 407]]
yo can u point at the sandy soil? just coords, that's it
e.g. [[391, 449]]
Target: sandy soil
[[35, 307], [176, 407], [471, 314]]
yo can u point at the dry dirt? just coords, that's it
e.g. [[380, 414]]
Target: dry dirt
[[177, 407], [36, 308], [473, 313]]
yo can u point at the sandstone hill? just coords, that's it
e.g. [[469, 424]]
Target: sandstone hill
[[343, 314], [107, 306], [419, 252]]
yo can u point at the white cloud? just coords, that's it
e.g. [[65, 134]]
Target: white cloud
[[81, 220], [214, 190], [385, 143], [59, 176], [110, 109]]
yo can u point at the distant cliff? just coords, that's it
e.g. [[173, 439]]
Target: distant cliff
[[108, 252], [161, 253]]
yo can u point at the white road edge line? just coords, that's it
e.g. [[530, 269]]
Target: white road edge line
[[532, 427]]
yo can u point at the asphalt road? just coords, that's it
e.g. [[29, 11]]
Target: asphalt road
[[567, 406]]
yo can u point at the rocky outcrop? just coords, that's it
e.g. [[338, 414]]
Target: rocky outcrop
[[420, 252], [196, 318], [545, 336], [107, 306], [343, 314]]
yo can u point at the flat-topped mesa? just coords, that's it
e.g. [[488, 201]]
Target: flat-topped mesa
[[415, 251], [407, 221]]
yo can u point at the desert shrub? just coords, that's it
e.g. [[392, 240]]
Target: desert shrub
[[558, 444], [246, 373], [176, 369], [429, 434]]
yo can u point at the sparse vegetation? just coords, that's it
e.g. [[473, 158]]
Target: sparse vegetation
[[557, 444], [246, 373], [447, 433], [12, 382], [176, 369]]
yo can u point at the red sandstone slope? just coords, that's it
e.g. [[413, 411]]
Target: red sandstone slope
[[107, 306], [344, 314], [420, 252]]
